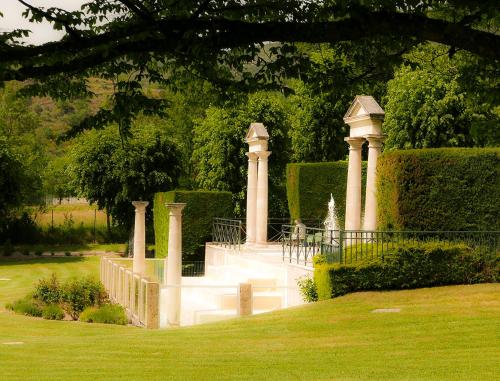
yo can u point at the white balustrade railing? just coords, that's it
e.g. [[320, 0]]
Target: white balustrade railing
[[137, 294]]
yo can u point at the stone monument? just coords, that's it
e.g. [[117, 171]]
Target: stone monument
[[364, 117], [257, 188]]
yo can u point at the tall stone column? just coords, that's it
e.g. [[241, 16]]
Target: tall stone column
[[139, 263], [262, 198], [353, 193], [174, 264], [251, 197], [374, 150]]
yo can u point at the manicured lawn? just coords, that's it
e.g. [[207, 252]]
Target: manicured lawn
[[23, 274], [114, 247], [447, 333]]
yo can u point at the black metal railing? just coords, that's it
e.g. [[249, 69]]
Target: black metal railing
[[228, 232], [231, 232], [189, 269], [299, 245]]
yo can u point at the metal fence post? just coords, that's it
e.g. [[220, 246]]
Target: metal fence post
[[341, 245]]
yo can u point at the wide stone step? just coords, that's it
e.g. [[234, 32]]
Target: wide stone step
[[210, 316], [263, 284], [261, 301]]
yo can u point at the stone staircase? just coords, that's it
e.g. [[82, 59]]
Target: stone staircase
[[266, 297]]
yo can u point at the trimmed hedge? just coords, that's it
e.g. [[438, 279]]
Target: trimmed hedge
[[197, 217], [408, 266], [309, 185], [439, 189]]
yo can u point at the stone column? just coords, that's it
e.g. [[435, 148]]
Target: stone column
[[262, 198], [174, 264], [353, 193], [374, 150], [139, 264], [251, 197]]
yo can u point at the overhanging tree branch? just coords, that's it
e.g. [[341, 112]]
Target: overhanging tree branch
[[202, 34]]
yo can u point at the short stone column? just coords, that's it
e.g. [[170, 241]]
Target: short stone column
[[244, 299], [353, 194], [174, 264], [262, 198], [139, 264], [251, 197], [374, 150]]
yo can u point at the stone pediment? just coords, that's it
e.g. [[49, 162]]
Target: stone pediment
[[365, 117], [364, 106], [257, 131]]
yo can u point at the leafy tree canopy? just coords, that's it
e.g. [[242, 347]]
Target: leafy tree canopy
[[222, 40], [112, 174], [438, 101]]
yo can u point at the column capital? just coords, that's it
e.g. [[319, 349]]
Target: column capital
[[375, 141], [263, 154], [140, 205], [175, 208], [354, 143], [252, 156]]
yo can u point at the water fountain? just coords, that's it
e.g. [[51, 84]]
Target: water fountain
[[331, 223]]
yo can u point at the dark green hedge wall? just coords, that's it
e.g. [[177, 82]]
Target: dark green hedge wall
[[309, 186], [197, 216], [439, 189], [407, 267]]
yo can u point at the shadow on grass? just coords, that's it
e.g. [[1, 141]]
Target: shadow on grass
[[9, 261]]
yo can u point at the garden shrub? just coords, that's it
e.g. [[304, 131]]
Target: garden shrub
[[307, 289], [26, 306], [52, 312], [81, 293], [197, 218], [309, 186], [408, 266], [48, 290], [107, 314], [439, 189]]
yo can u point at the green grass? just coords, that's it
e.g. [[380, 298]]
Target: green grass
[[446, 333], [23, 274], [79, 214], [107, 247]]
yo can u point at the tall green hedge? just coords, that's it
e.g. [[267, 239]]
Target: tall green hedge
[[439, 189], [197, 216], [309, 186]]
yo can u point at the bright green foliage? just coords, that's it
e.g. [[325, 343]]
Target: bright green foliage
[[307, 289], [197, 218], [81, 293], [26, 306], [322, 281], [57, 178], [49, 290], [219, 147], [51, 297], [309, 186], [53, 312], [437, 101], [336, 74], [409, 266], [19, 133], [112, 173], [439, 189], [106, 314]]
